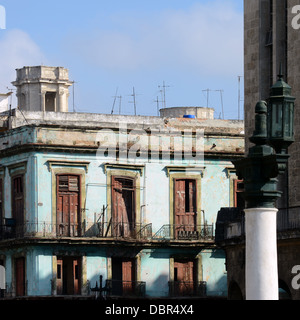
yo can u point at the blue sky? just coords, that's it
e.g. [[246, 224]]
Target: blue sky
[[191, 45]]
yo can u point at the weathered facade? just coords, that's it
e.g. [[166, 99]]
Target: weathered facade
[[90, 195]]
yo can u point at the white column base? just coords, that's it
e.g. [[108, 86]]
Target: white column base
[[261, 254]]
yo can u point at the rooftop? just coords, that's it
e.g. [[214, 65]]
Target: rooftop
[[92, 120]]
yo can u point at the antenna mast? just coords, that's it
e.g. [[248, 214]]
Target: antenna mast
[[163, 93], [115, 97], [157, 104], [134, 100], [221, 94], [120, 103], [207, 93]]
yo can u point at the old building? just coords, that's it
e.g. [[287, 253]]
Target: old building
[[272, 39], [130, 199]]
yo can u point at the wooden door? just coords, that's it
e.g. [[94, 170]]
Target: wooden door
[[128, 276], [185, 207], [184, 277], [20, 276], [68, 196], [123, 205], [76, 276], [59, 277], [123, 276]]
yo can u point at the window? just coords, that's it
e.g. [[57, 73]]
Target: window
[[18, 200], [50, 99]]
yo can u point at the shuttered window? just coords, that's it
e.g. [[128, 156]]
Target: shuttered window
[[68, 184]]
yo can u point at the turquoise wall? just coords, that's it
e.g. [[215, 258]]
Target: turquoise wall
[[155, 263]]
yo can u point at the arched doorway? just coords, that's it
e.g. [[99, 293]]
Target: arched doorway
[[234, 292]]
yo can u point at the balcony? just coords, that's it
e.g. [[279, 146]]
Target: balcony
[[125, 288], [187, 289], [185, 233], [117, 231]]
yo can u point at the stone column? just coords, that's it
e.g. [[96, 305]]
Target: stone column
[[261, 254], [62, 105], [43, 101]]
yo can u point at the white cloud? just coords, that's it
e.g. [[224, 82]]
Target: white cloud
[[17, 50], [205, 37]]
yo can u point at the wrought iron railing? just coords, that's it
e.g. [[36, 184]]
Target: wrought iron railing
[[125, 288], [86, 230], [187, 288], [185, 232]]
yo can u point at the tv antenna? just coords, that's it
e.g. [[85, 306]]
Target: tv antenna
[[134, 100], [115, 98], [157, 105], [221, 94], [163, 93], [207, 95], [120, 103]]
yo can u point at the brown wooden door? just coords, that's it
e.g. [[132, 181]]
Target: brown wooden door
[[123, 276], [59, 277], [185, 207], [18, 202], [123, 205], [184, 277], [76, 276], [20, 276], [68, 196], [128, 276]]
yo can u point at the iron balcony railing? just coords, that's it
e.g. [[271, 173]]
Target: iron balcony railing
[[187, 289], [185, 232], [113, 230], [125, 288]]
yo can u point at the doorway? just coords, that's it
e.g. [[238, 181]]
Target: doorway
[[20, 276], [123, 206], [185, 208], [68, 276], [184, 277], [68, 214], [123, 276]]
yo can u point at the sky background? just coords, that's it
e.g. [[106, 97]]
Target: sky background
[[113, 46]]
